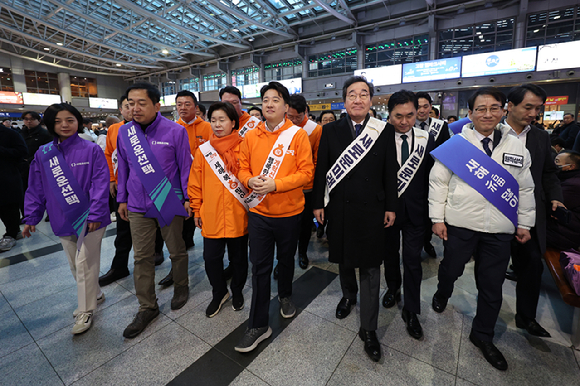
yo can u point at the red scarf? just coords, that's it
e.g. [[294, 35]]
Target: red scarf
[[225, 147]]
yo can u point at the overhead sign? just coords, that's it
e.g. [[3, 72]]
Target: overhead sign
[[382, 76], [553, 115], [432, 70], [330, 85], [102, 103], [557, 100], [500, 62], [558, 56], [337, 106], [40, 99], [11, 98], [293, 85], [320, 107]]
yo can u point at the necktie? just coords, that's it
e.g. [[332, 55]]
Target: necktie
[[423, 124], [404, 149], [486, 142], [357, 129]]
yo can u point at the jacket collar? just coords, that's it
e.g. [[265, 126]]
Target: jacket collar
[[67, 143], [153, 126]]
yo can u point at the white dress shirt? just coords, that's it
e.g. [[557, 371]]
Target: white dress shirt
[[523, 136], [399, 144], [480, 137]]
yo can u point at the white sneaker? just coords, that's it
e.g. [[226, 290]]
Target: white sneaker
[[113, 217], [83, 322], [100, 299], [7, 243]]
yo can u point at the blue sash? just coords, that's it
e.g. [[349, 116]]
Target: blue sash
[[457, 126], [166, 198], [482, 173], [71, 198]]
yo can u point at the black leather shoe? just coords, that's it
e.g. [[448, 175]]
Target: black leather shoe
[[303, 261], [372, 345], [344, 307], [511, 275], [189, 244], [438, 303], [276, 272], [413, 326], [167, 280], [159, 258], [228, 272], [430, 250], [180, 296], [140, 322], [490, 352], [531, 326], [391, 298], [112, 275]]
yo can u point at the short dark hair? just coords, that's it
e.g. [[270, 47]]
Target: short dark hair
[[402, 97], [452, 116], [202, 108], [436, 111], [227, 108], [152, 90], [231, 90], [255, 108], [122, 99], [342, 115], [516, 94], [570, 114], [574, 157], [33, 114], [491, 91], [186, 93], [280, 89], [51, 112], [423, 94], [356, 79], [326, 112], [87, 121], [558, 141], [298, 103]]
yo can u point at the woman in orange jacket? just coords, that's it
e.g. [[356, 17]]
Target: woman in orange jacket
[[217, 200]]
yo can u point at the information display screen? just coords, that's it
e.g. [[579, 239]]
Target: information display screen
[[102, 103], [553, 115], [558, 56], [293, 85], [40, 99], [11, 98], [382, 76], [252, 90], [500, 62], [432, 70]]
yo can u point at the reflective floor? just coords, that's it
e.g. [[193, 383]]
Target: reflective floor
[[184, 347]]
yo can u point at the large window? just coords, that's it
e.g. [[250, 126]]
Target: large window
[[409, 50], [214, 81], [190, 84], [330, 63], [283, 70], [6, 83], [41, 82], [244, 76], [475, 39], [168, 88], [83, 87], [553, 27]]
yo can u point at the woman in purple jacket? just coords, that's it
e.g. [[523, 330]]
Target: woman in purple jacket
[[69, 178]]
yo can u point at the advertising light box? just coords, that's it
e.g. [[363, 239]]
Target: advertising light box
[[293, 85], [432, 70], [500, 62], [553, 115], [382, 76], [102, 103], [558, 56], [40, 99], [11, 98], [252, 90]]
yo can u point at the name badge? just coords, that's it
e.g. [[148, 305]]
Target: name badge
[[513, 160]]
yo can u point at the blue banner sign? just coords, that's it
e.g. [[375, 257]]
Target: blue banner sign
[[432, 70]]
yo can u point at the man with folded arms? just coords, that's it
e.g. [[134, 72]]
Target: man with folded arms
[[154, 164], [481, 192], [355, 189]]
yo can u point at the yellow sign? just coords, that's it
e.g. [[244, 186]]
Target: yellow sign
[[319, 107]]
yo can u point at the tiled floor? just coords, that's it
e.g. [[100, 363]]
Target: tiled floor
[[38, 296]]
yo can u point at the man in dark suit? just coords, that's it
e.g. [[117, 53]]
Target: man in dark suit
[[569, 130], [414, 145], [361, 203], [524, 103], [440, 130]]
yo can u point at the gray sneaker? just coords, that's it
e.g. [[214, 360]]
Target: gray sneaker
[[287, 308], [252, 337], [7, 243]]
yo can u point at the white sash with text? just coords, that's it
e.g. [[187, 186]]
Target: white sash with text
[[409, 169], [252, 123], [309, 127], [435, 127]]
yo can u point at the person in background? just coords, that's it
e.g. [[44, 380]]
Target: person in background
[[200, 111], [451, 119], [373, 113], [569, 130], [327, 117], [219, 211], [69, 179], [434, 113], [256, 112], [557, 146], [88, 130], [576, 146], [6, 123]]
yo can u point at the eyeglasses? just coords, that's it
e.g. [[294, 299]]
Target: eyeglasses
[[354, 97], [492, 109]]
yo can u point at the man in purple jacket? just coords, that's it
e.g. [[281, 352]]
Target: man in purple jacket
[[154, 162]]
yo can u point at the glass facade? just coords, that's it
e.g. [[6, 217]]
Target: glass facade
[[190, 84], [476, 39], [330, 63], [83, 87], [214, 81], [41, 82], [168, 88], [6, 82], [244, 76], [553, 27], [409, 50], [283, 70]]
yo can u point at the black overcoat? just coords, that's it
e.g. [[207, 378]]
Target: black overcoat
[[13, 151]]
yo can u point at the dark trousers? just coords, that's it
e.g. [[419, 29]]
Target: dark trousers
[[413, 272], [492, 253], [213, 255], [370, 282], [188, 231], [527, 261], [265, 234], [124, 243], [10, 216], [305, 224]]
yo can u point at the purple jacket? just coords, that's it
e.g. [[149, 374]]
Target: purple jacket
[[89, 166], [170, 145]]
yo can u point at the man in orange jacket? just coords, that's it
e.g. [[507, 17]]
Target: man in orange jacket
[[275, 162], [246, 121]]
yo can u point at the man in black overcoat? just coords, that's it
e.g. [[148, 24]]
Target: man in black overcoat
[[359, 206]]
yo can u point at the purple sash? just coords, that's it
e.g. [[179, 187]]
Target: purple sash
[[166, 198], [482, 173], [70, 196]]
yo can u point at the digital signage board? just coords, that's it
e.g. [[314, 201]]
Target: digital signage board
[[40, 99], [432, 70], [382, 76], [558, 56], [102, 103], [499, 62]]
